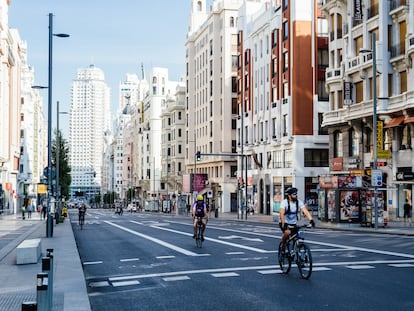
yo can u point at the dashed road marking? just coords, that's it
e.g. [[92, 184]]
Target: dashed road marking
[[165, 257], [125, 283], [176, 278], [360, 267], [92, 263], [402, 265], [225, 275], [129, 259], [99, 284]]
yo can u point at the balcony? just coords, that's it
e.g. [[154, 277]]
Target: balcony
[[333, 75], [410, 47]]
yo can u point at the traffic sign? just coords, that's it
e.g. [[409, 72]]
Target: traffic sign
[[376, 178]]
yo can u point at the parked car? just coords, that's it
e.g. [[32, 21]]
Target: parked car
[[132, 207]]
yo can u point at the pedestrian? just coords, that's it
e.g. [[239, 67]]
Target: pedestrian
[[44, 211], [23, 212], [407, 212], [30, 210]]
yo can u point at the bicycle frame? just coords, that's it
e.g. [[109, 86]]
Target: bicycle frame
[[198, 239]]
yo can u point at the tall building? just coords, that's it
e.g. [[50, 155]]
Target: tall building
[[89, 121], [211, 103], [371, 53]]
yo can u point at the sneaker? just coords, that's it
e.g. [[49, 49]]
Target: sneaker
[[194, 236], [202, 238]]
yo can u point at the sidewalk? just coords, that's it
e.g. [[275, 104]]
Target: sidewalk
[[19, 281]]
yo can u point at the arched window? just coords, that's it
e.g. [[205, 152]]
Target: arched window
[[353, 143], [338, 151], [199, 6], [406, 137], [231, 21]]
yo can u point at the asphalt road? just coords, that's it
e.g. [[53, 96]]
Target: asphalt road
[[150, 262]]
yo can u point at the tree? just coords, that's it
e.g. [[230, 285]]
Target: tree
[[65, 178]]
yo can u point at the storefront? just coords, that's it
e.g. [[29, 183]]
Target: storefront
[[344, 199]]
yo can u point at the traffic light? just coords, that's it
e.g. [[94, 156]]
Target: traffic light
[[198, 156]]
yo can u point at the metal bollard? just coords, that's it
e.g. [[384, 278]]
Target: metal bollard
[[47, 266], [29, 306], [42, 297]]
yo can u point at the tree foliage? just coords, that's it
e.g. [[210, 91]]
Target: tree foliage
[[65, 178]]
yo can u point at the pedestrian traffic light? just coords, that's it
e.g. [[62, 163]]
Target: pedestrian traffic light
[[198, 156]]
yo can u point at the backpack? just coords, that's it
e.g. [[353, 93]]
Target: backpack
[[199, 209], [288, 212]]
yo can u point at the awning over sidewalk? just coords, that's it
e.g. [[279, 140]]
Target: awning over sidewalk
[[395, 122]]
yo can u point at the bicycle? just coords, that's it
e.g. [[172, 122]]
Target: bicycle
[[81, 219], [296, 250], [198, 238]]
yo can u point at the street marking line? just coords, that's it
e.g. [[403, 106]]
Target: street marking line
[[235, 253], [92, 263], [345, 247], [176, 278], [402, 265], [125, 283], [129, 259], [275, 271], [360, 267], [165, 257], [224, 275], [321, 269], [99, 284], [158, 241], [219, 270], [253, 249]]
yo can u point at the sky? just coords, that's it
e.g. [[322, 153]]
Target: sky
[[115, 36]]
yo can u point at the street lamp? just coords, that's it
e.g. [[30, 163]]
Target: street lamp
[[49, 232], [374, 123]]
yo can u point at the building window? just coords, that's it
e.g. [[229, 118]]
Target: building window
[[338, 151], [406, 137], [353, 143], [316, 157], [231, 21], [285, 30], [285, 125]]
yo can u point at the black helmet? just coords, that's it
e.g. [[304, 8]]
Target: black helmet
[[291, 190]]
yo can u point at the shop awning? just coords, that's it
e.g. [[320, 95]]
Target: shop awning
[[409, 119], [395, 122]]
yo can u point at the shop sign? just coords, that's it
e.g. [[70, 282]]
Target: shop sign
[[353, 162], [401, 176], [336, 164]]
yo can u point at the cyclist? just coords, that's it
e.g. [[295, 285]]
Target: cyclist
[[82, 212], [199, 210], [289, 209]]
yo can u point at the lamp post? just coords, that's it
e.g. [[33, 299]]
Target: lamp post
[[374, 173], [49, 224]]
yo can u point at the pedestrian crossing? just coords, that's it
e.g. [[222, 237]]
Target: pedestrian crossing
[[128, 281]]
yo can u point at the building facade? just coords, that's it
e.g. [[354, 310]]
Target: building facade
[[89, 120], [371, 51]]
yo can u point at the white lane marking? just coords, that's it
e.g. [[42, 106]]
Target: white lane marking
[[345, 247], [235, 253], [253, 249], [176, 278], [129, 259], [218, 270], [402, 265], [321, 269], [99, 284], [125, 283], [275, 271], [92, 263], [360, 267], [160, 242], [231, 237], [224, 275], [165, 257]]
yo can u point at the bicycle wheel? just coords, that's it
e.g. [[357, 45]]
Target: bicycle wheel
[[199, 241], [82, 220], [284, 261], [304, 261]]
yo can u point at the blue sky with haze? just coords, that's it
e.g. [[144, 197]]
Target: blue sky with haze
[[116, 36]]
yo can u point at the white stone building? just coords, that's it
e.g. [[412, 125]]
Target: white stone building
[[89, 121]]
